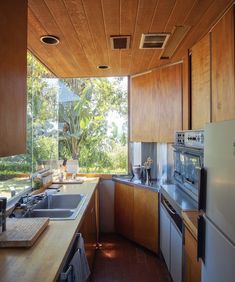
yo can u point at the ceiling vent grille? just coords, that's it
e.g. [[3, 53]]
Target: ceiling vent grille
[[177, 36], [154, 40], [120, 42]]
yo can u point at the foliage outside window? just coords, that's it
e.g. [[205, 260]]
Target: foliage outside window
[[93, 124], [81, 119]]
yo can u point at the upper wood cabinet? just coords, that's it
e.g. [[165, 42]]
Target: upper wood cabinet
[[201, 87], [223, 92], [156, 105], [13, 73]]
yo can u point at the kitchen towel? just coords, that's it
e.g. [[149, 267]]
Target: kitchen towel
[[84, 263], [79, 263]]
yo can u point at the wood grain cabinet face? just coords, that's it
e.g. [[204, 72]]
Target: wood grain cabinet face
[[201, 89], [146, 218], [136, 215], [13, 73], [223, 91], [192, 267], [156, 105], [89, 231], [124, 209]]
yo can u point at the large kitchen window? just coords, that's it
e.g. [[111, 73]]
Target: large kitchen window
[[84, 120]]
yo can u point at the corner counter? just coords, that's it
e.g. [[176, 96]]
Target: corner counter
[[44, 260], [126, 179]]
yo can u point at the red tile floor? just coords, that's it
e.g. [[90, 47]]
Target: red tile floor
[[120, 260]]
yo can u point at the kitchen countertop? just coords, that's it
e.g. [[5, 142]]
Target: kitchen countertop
[[179, 200], [154, 186], [190, 220], [44, 260]]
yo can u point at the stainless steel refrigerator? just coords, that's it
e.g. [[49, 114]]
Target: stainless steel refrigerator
[[217, 226]]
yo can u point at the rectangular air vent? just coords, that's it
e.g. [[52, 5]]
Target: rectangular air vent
[[120, 42], [154, 40]]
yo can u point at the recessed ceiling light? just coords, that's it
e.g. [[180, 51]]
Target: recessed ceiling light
[[50, 39], [103, 67]]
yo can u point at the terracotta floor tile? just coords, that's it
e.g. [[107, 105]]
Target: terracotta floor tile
[[120, 260]]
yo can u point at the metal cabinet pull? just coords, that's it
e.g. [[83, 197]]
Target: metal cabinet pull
[[167, 207]]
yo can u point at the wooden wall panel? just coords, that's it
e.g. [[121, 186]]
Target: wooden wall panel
[[186, 93], [156, 105], [223, 92], [13, 73], [201, 89]]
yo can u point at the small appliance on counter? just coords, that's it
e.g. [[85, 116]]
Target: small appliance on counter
[[137, 173]]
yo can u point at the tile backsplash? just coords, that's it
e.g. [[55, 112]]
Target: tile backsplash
[[162, 155]]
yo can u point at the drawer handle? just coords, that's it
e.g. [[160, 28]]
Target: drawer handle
[[167, 207]]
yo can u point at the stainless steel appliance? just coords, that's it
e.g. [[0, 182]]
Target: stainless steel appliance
[[216, 242], [180, 196]]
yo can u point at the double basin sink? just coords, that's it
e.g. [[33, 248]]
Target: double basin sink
[[58, 206]]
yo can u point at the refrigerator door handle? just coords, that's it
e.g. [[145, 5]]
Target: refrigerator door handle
[[201, 239], [202, 190]]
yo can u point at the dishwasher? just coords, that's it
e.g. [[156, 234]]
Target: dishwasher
[[171, 239]]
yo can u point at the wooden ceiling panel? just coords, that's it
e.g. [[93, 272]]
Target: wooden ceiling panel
[[51, 56], [181, 9], [85, 26], [94, 14], [145, 14], [128, 14], [111, 15], [162, 14], [207, 20]]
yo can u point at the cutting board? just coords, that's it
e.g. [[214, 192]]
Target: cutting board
[[22, 232]]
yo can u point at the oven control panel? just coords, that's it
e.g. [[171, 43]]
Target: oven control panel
[[190, 138]]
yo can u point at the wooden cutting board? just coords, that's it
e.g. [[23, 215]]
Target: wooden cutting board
[[22, 232]]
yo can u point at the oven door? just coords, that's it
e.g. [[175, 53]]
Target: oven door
[[179, 165], [192, 172]]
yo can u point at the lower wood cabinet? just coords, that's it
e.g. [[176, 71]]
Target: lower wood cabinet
[[89, 230], [136, 215], [192, 266]]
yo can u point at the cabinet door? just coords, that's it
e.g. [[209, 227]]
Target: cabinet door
[[176, 254], [192, 266], [13, 73], [201, 99], [124, 206], [156, 105], [165, 229], [89, 232], [223, 94], [146, 218]]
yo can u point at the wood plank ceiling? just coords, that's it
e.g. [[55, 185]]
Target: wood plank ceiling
[[85, 26]]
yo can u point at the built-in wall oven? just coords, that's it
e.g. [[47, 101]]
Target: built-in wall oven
[[182, 195], [188, 161]]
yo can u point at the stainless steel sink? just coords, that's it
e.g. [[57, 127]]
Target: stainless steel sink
[[57, 214], [58, 207], [60, 201]]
